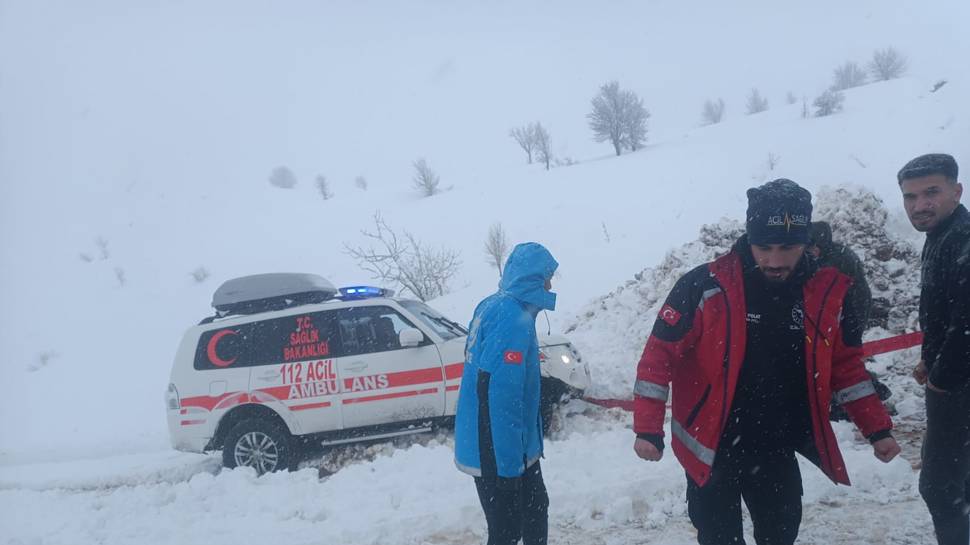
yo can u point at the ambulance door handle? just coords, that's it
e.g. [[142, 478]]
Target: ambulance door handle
[[356, 366]]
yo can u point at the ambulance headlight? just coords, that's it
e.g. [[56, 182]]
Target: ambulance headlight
[[565, 359]]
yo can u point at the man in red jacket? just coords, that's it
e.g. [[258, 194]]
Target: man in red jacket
[[752, 347]]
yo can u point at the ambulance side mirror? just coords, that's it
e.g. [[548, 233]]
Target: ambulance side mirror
[[410, 337]]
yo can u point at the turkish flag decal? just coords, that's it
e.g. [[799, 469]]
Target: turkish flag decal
[[513, 357], [669, 315]]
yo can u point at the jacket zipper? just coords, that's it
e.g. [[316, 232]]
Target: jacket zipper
[[727, 358], [697, 407], [818, 406]]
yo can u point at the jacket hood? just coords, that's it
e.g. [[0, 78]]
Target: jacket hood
[[525, 275]]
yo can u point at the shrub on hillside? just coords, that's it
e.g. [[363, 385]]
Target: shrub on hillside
[[282, 177], [323, 186], [425, 179], [756, 103], [713, 112], [828, 103], [887, 64], [847, 76]]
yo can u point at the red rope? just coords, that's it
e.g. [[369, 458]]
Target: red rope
[[871, 348], [892, 344]]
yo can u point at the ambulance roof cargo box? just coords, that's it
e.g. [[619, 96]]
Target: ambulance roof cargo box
[[270, 291]]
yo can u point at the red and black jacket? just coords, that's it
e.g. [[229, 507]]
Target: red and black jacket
[[695, 354]]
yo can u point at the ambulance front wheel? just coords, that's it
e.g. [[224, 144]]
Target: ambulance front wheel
[[263, 445]]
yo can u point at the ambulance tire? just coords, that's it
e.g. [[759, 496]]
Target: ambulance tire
[[260, 443]]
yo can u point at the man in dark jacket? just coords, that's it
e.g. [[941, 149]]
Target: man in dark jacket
[[835, 254], [931, 196], [498, 427], [753, 347]]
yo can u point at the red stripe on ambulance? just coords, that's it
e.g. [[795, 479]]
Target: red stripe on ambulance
[[391, 396]]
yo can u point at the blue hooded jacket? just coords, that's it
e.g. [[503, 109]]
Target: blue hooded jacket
[[498, 431]]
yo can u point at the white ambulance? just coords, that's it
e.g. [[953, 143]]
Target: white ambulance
[[288, 360]]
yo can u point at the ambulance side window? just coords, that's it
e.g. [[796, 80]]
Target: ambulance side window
[[300, 337], [365, 330]]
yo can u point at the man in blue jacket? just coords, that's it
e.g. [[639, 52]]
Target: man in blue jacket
[[498, 429]]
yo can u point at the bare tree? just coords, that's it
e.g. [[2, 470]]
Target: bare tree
[[847, 76], [756, 103], [282, 177], [887, 64], [525, 136], [790, 98], [496, 247], [828, 103], [618, 117], [425, 179], [361, 183], [543, 146], [713, 112], [324, 187], [404, 260]]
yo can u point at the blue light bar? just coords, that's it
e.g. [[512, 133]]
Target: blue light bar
[[364, 292]]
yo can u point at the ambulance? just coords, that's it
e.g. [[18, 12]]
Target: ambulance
[[290, 361]]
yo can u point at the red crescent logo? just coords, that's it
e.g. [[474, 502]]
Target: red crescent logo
[[211, 349]]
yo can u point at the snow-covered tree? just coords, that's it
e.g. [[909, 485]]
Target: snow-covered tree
[[425, 179], [887, 64], [847, 76], [756, 103], [542, 144], [828, 103], [618, 117], [361, 183], [713, 112], [323, 186]]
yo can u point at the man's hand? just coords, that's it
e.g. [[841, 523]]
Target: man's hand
[[885, 449], [646, 450], [934, 388], [921, 373]]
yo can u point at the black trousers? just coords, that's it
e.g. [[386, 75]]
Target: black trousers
[[769, 483], [514, 514], [944, 481]]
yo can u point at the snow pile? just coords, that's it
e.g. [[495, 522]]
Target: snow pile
[[859, 219], [612, 329]]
